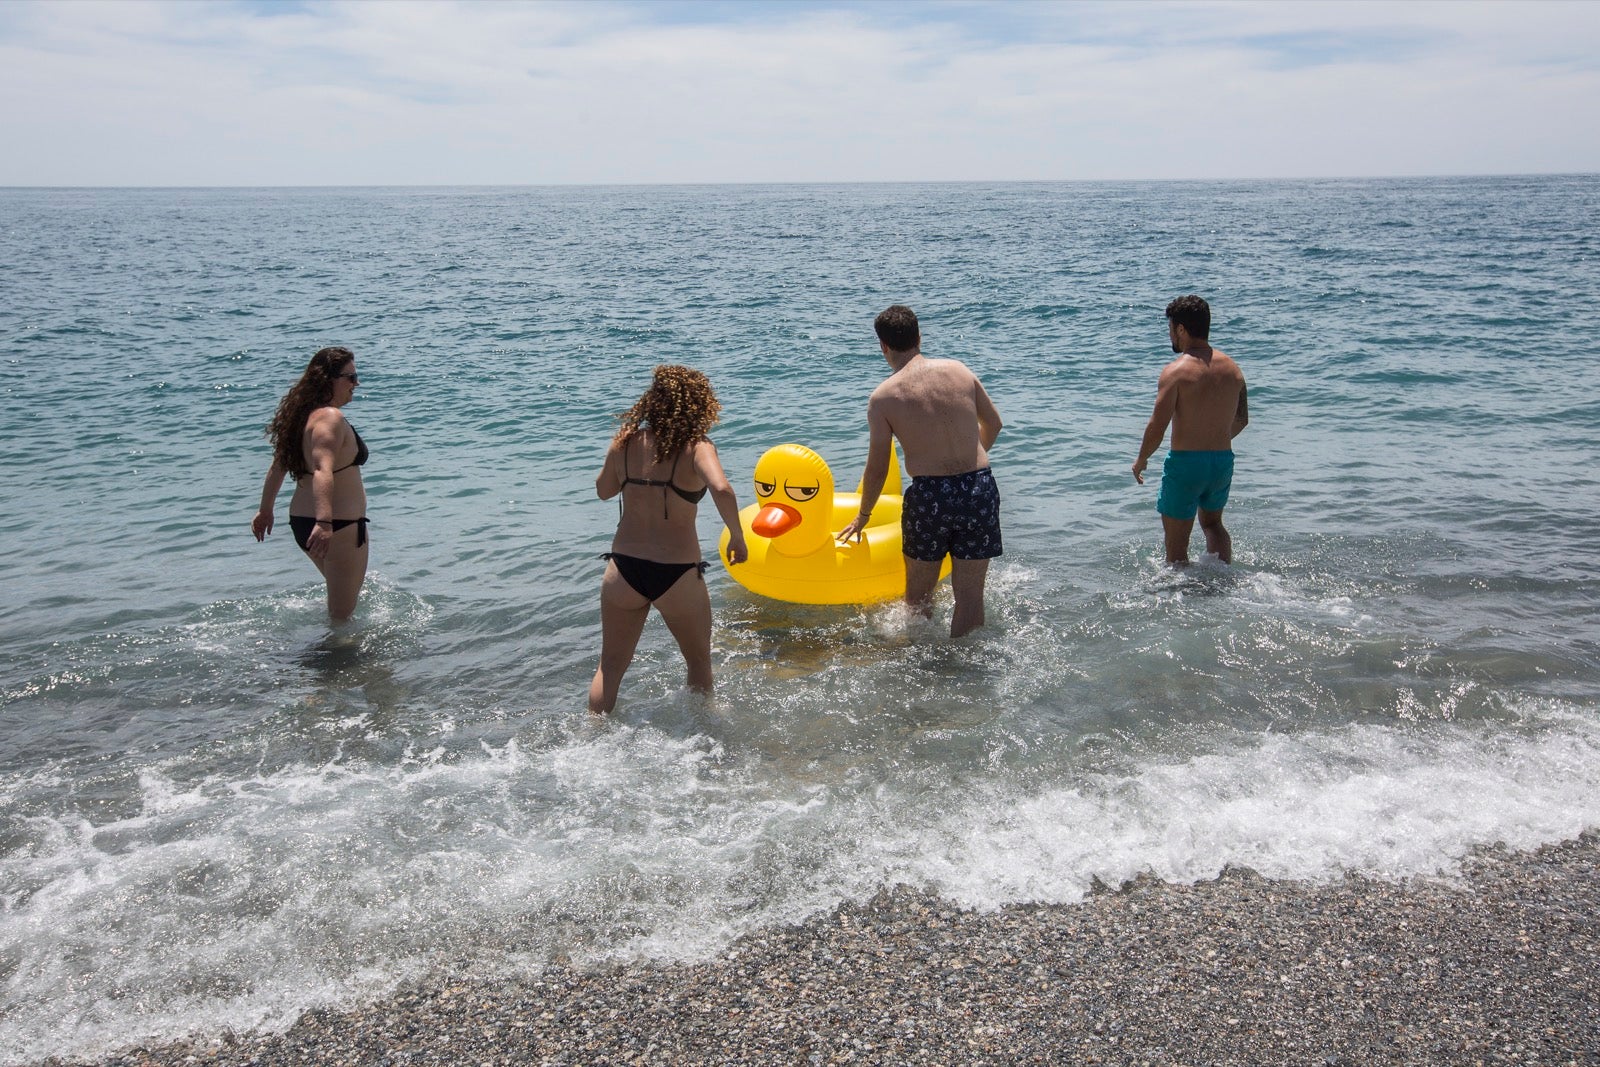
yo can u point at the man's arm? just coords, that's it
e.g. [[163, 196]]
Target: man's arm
[[879, 442], [1241, 418], [989, 423], [1160, 418]]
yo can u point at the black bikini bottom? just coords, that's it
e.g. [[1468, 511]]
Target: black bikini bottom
[[650, 579], [302, 525]]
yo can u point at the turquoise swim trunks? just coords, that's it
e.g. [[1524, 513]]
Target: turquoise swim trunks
[[1194, 480]]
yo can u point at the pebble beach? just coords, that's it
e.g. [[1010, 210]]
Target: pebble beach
[[1499, 964]]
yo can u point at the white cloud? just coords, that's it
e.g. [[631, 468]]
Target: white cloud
[[445, 93]]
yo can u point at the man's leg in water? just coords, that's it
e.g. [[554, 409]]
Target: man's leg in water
[[1177, 533], [1218, 542], [921, 577], [966, 580]]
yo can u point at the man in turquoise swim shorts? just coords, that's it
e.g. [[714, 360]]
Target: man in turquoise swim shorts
[[1202, 395]]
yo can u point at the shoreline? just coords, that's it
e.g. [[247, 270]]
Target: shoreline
[[1498, 965]]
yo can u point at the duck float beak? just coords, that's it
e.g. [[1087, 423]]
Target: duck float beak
[[775, 519]]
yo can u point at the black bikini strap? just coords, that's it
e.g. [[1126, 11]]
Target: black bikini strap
[[628, 479], [672, 480]]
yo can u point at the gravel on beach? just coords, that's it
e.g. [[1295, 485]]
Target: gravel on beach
[[1500, 965]]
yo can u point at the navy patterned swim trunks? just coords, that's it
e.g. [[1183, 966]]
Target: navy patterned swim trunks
[[956, 515]]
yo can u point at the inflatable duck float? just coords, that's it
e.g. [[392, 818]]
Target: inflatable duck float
[[791, 533]]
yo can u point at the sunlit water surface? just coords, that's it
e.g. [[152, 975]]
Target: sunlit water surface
[[215, 813]]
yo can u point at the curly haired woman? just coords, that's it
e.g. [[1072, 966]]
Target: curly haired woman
[[661, 463], [313, 444]]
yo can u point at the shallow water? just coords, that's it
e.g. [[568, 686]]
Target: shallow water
[[216, 813]]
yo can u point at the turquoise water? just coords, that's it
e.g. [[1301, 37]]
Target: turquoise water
[[214, 813]]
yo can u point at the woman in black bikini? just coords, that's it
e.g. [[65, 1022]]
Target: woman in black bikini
[[662, 464], [313, 444]]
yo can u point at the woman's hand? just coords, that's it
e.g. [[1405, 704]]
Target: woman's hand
[[261, 525], [317, 543], [737, 552]]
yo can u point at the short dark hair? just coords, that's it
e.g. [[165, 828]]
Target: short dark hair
[[897, 327], [1193, 314]]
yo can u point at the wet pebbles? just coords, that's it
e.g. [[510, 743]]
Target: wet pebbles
[[1497, 967]]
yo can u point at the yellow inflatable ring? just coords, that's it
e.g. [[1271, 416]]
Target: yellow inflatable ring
[[790, 531]]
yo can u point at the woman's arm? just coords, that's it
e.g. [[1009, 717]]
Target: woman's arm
[[323, 430], [608, 483], [261, 525], [709, 466]]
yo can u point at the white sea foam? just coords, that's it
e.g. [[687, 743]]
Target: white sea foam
[[1379, 800], [237, 904]]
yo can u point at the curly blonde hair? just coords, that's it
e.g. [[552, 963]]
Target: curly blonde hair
[[679, 408], [312, 391]]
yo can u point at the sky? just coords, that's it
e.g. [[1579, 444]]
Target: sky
[[193, 92]]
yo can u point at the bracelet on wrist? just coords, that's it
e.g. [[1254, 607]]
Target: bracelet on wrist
[[324, 522]]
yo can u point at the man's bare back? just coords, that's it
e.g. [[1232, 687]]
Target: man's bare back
[[1207, 389], [937, 410]]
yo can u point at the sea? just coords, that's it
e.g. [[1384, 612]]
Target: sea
[[218, 812]]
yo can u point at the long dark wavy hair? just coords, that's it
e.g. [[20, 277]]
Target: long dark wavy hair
[[679, 408], [287, 429]]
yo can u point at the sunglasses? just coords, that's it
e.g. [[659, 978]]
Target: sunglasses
[[351, 375]]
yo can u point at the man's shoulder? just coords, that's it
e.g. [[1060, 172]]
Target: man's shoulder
[[1181, 369], [885, 389], [950, 365], [1188, 368]]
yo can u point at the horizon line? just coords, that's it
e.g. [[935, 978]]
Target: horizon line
[[856, 181]]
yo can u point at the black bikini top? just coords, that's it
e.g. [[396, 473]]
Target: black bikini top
[[361, 453], [693, 497]]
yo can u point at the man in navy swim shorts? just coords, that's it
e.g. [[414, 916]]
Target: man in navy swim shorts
[[946, 424], [1202, 395]]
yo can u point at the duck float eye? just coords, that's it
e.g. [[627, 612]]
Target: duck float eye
[[765, 488], [801, 492]]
